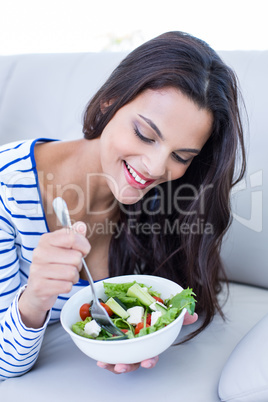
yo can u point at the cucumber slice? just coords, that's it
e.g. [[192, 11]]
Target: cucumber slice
[[117, 308], [120, 302], [144, 297], [156, 306]]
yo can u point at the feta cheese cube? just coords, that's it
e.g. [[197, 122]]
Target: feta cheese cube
[[154, 316], [135, 315], [92, 328]]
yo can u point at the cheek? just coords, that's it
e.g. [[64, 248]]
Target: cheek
[[177, 172], [117, 142]]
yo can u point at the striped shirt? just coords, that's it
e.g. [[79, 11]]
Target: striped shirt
[[22, 222]]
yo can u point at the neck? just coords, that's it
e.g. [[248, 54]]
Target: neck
[[72, 170], [88, 173]]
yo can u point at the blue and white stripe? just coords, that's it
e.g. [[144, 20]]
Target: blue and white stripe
[[22, 222]]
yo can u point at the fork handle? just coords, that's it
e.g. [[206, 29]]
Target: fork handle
[[61, 210], [91, 282]]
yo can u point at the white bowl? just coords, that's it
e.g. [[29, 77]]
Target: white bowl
[[129, 350]]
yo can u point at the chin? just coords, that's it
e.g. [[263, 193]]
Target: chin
[[130, 196], [129, 200]]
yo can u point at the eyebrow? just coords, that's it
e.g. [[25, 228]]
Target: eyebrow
[[154, 127], [160, 135], [191, 150]]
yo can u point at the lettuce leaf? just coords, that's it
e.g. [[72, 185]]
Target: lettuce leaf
[[162, 321], [184, 299], [123, 324], [117, 289], [78, 328]]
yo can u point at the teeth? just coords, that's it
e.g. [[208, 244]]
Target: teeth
[[134, 174]]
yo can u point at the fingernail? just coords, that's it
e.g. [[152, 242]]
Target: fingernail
[[80, 227], [120, 369], [147, 365], [102, 365]]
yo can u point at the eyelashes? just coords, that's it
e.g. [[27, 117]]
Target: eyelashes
[[175, 156], [179, 159], [141, 137]]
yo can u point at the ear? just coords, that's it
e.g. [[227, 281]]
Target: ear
[[105, 105]]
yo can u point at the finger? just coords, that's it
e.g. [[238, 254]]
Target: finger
[[56, 255], [190, 319], [67, 239], [125, 368], [80, 228], [106, 366], [119, 368], [150, 363], [60, 272], [47, 288]]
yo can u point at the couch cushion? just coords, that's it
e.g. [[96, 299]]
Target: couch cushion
[[245, 375], [188, 372]]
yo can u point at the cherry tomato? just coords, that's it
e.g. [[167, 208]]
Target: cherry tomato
[[124, 330], [139, 326], [84, 311], [158, 299], [148, 319], [107, 308]]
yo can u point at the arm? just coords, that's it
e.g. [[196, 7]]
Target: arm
[[22, 319], [25, 310], [19, 345]]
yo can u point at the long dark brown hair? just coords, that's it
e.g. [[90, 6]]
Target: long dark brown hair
[[186, 219]]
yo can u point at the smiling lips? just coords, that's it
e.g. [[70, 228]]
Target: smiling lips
[[134, 179]]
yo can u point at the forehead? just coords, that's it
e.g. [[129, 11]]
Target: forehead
[[175, 115]]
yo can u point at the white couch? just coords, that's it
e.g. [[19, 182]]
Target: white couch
[[44, 96]]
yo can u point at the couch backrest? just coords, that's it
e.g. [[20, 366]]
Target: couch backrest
[[245, 250], [44, 96]]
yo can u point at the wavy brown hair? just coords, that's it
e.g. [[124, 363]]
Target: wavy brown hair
[[200, 200]]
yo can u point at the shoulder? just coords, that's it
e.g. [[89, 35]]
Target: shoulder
[[15, 156], [18, 156]]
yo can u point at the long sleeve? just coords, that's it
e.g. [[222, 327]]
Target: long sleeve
[[19, 346], [20, 228], [22, 223]]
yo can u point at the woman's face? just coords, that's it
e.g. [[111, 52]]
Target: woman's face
[[151, 140]]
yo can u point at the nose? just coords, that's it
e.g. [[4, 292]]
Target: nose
[[155, 165]]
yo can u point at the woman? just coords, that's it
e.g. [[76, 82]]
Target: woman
[[148, 189]]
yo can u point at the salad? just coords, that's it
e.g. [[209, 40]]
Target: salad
[[135, 309]]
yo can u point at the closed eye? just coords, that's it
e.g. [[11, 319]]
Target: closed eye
[[141, 137], [179, 159], [150, 141]]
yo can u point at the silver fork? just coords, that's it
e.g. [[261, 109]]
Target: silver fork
[[98, 312]]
